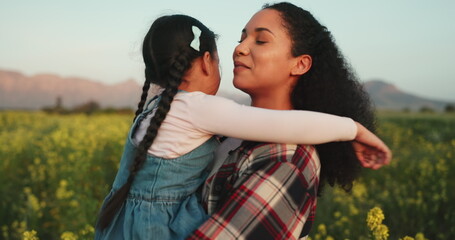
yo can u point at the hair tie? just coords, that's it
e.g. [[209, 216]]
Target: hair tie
[[197, 34]]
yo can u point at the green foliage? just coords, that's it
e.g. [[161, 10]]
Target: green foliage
[[55, 171], [426, 109], [450, 108], [415, 191], [90, 107]]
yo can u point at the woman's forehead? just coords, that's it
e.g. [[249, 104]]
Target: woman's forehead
[[265, 19]]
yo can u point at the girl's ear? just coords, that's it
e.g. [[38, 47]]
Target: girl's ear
[[207, 64], [302, 65]]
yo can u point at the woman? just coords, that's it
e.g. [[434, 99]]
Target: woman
[[286, 60]]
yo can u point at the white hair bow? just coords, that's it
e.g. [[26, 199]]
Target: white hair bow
[[195, 43]]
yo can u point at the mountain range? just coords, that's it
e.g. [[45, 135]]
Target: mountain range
[[18, 91], [387, 96]]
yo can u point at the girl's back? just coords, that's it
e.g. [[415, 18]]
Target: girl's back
[[161, 202]]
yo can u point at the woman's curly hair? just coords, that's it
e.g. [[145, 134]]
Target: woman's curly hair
[[330, 86]]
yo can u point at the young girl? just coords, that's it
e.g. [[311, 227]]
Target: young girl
[[154, 193]]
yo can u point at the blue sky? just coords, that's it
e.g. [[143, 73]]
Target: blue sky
[[410, 43]]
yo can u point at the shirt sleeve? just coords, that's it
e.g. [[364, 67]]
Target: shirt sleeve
[[217, 115], [271, 204]]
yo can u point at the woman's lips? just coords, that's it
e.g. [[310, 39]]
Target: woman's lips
[[239, 66]]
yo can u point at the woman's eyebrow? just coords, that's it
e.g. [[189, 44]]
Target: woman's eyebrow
[[260, 29]]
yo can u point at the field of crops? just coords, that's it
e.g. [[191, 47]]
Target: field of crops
[[56, 169]]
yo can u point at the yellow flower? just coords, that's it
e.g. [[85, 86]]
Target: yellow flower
[[68, 236], [353, 209], [420, 236], [34, 202], [27, 190], [29, 235], [62, 192], [359, 190], [407, 238], [5, 232], [374, 218], [322, 229], [344, 219], [74, 203], [19, 226], [87, 230], [374, 222], [381, 232]]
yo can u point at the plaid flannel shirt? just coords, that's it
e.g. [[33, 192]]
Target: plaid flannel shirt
[[267, 192]]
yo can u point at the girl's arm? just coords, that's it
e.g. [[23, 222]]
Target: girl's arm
[[222, 116], [369, 149], [217, 115]]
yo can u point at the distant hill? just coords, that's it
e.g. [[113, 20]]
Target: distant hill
[[18, 91], [387, 96]]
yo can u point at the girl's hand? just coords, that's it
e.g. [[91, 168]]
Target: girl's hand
[[369, 149]]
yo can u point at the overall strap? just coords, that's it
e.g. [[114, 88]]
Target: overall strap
[[147, 105], [147, 108]]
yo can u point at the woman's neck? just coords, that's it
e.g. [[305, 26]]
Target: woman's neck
[[276, 102]]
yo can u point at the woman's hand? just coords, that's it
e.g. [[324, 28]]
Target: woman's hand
[[369, 149]]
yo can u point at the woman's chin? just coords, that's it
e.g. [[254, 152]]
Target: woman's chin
[[240, 86]]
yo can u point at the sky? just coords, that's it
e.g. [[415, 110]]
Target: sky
[[409, 43]]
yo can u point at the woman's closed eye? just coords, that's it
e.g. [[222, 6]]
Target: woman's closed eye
[[257, 41], [260, 42]]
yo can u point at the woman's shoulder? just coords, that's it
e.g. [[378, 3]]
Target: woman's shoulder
[[298, 155], [306, 158], [301, 158], [257, 154], [276, 149]]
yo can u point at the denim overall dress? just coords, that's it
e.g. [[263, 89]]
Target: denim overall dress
[[162, 202]]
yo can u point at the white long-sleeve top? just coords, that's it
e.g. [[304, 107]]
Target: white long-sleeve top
[[194, 117]]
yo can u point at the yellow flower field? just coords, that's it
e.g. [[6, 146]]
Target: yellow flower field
[[56, 169], [413, 193]]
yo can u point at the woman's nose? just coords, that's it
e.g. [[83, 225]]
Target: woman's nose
[[241, 49]]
